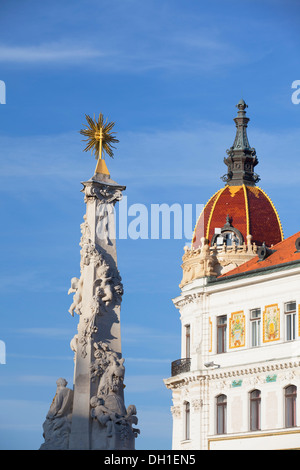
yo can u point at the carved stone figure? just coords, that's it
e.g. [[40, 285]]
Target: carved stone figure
[[106, 420], [57, 425], [105, 211], [131, 418], [85, 232], [74, 345], [76, 286], [115, 429], [108, 406], [108, 288], [110, 370]]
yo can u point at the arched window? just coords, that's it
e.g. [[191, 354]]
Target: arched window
[[227, 234], [221, 414], [187, 423], [255, 401], [229, 238], [290, 406]]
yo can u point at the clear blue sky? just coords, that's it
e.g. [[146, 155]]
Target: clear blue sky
[[170, 74]]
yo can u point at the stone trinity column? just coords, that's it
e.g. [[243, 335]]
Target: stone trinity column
[[93, 415]]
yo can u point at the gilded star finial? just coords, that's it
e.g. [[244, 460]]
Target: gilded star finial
[[99, 140]]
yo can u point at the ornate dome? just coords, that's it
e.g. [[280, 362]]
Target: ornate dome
[[234, 213], [240, 209]]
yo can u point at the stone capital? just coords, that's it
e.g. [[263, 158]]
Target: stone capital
[[104, 189]]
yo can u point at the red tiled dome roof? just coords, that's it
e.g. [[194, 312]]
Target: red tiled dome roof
[[282, 253], [250, 210]]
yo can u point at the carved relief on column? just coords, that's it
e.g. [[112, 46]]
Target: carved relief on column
[[107, 289], [99, 289], [112, 423], [104, 197], [107, 286]]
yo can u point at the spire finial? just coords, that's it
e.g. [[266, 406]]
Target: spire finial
[[100, 139], [241, 158], [241, 105]]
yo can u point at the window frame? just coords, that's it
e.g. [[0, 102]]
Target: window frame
[[221, 414], [290, 321], [290, 405], [255, 406], [221, 330], [257, 322], [187, 421], [188, 341]]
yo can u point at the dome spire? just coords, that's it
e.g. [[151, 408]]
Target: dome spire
[[241, 158]]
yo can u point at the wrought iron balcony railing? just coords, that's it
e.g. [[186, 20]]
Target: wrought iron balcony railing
[[180, 365]]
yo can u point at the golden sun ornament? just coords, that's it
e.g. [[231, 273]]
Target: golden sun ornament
[[99, 136]]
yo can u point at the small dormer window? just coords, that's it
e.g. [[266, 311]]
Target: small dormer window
[[229, 238], [227, 235]]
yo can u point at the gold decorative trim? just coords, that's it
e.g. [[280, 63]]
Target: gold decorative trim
[[234, 190], [247, 209], [213, 208]]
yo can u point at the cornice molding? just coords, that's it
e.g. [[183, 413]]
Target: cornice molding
[[183, 380]]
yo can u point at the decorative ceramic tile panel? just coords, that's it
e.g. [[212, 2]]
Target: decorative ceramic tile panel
[[237, 330], [271, 323]]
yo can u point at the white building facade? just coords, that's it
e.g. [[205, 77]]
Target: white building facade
[[237, 383], [239, 388]]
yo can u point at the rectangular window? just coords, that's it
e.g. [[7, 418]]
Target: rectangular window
[[255, 321], [187, 341], [221, 414], [221, 334], [290, 320]]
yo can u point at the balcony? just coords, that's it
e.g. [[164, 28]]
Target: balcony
[[180, 365]]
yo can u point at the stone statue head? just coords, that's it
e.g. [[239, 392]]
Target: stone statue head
[[96, 401], [61, 382], [131, 410]]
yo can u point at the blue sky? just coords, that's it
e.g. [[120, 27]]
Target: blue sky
[[169, 73]]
